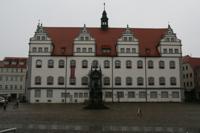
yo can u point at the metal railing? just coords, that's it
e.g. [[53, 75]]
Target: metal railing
[[10, 130]]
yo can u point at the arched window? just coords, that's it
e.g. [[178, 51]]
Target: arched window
[[34, 49], [117, 64], [128, 64], [151, 80], [117, 81], [84, 80], [172, 65], [84, 64], [162, 81], [106, 80], [61, 64], [38, 63], [161, 64], [40, 49], [61, 80], [95, 63], [173, 81], [49, 80], [37, 80], [50, 64], [150, 64], [128, 81], [140, 81], [72, 81], [106, 64], [72, 63], [139, 64]]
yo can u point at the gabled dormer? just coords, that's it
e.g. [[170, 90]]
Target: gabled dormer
[[170, 45], [127, 44], [40, 43], [84, 43]]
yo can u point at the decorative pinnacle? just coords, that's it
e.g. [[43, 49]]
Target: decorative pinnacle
[[104, 4]]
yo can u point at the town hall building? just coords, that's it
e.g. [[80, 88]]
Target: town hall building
[[137, 64]]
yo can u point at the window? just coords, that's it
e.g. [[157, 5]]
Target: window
[[128, 64], [172, 65], [133, 50], [61, 64], [84, 50], [38, 63], [176, 51], [117, 64], [117, 81], [151, 80], [128, 50], [106, 64], [72, 81], [128, 81], [34, 49], [122, 50], [173, 81], [90, 50], [40, 50], [164, 94], [61, 80], [162, 81], [49, 93], [161, 64], [106, 50], [85, 94], [49, 80], [46, 49], [175, 94], [190, 75], [120, 94], [37, 93], [140, 81], [165, 51], [43, 38], [139, 64], [153, 94], [37, 37], [171, 51], [130, 38], [95, 64], [72, 63], [37, 80], [84, 64], [106, 80], [75, 95], [78, 50], [125, 38], [150, 64], [108, 94], [50, 64], [84, 80], [142, 94], [131, 94], [80, 95], [1, 78]]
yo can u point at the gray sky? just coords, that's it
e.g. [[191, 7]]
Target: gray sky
[[19, 18]]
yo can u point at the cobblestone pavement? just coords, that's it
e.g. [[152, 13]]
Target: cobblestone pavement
[[121, 117]]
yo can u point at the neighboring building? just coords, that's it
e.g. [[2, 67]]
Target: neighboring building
[[13, 77], [191, 77], [138, 64]]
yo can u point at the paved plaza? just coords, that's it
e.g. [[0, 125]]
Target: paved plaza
[[121, 117]]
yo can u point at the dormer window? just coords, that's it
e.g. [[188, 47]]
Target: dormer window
[[84, 50], [40, 50], [78, 50], [106, 50], [125, 38], [130, 38], [43, 38], [38, 37], [122, 50], [82, 38], [90, 50]]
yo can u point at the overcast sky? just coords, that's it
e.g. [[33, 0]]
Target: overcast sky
[[19, 18]]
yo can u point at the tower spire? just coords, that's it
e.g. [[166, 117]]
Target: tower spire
[[104, 20]]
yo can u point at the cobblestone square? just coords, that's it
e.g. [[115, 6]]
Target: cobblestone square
[[121, 117]]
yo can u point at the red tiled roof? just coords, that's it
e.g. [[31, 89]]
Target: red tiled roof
[[193, 61], [13, 59], [63, 38]]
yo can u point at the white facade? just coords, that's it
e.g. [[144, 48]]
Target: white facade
[[130, 77], [12, 79]]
